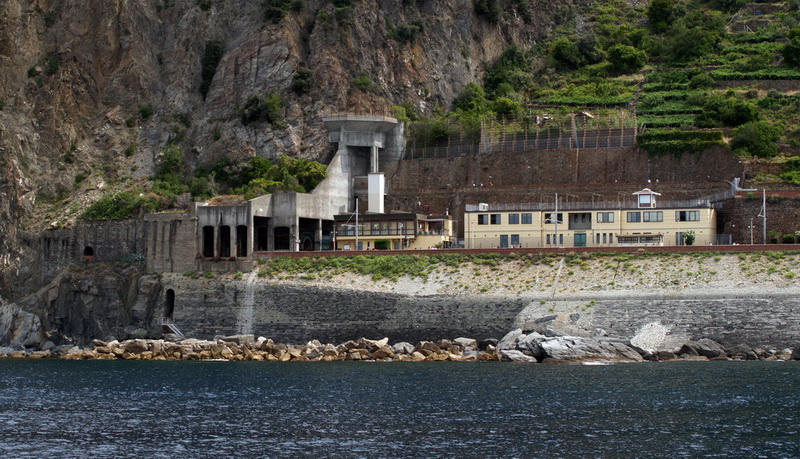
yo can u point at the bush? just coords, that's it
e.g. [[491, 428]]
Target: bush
[[788, 238], [659, 15], [51, 66], [626, 59], [506, 107], [689, 237], [702, 80], [146, 111], [488, 9], [726, 110], [265, 107], [407, 33], [757, 138], [512, 69], [212, 55], [472, 99], [204, 5], [364, 83], [791, 50], [566, 54], [277, 9], [301, 82], [120, 206], [675, 142]]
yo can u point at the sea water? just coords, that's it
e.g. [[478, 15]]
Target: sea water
[[365, 409]]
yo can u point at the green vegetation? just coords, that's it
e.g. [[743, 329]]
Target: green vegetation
[[301, 82], [121, 206], [363, 82], [276, 10], [212, 55], [264, 107], [659, 142]]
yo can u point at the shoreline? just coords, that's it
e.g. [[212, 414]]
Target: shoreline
[[516, 346]]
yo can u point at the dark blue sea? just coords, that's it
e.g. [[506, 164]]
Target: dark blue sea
[[385, 410]]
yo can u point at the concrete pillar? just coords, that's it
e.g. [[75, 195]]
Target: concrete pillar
[[318, 236], [374, 159]]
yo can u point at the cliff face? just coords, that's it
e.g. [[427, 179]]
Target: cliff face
[[77, 79]]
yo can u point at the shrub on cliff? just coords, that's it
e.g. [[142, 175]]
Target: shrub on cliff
[[121, 206], [262, 107]]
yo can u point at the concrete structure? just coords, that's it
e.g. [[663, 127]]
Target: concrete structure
[[228, 236], [601, 224]]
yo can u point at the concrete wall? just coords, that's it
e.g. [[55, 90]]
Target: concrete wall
[[297, 313]]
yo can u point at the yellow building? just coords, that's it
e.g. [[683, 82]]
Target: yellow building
[[638, 222], [402, 230]]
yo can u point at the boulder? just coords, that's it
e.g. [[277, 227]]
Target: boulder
[[796, 353], [666, 355], [468, 344], [742, 352], [516, 356], [241, 340], [384, 352], [403, 348], [372, 345], [510, 340], [710, 349], [136, 346], [579, 348]]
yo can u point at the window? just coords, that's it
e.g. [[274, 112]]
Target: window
[[646, 200], [634, 217], [605, 217], [598, 238], [604, 238], [515, 240], [653, 216], [679, 239], [527, 219], [483, 219], [561, 239], [513, 219], [496, 219], [687, 216], [548, 239], [554, 218]]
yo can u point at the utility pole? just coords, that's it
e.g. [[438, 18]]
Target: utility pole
[[356, 247], [763, 214]]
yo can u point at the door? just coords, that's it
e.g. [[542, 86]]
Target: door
[[580, 240], [504, 241]]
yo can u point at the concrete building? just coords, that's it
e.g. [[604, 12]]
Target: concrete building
[[631, 222], [228, 236]]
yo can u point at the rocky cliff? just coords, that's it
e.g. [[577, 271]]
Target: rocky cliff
[[90, 91]]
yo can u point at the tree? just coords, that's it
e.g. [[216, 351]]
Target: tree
[[689, 237], [726, 110], [659, 15], [472, 99], [791, 50], [757, 138], [626, 59]]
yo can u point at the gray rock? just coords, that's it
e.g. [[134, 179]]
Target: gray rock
[[742, 352], [466, 343], [666, 355], [516, 356], [709, 348], [510, 340], [403, 348], [136, 346], [578, 348], [796, 353], [241, 340]]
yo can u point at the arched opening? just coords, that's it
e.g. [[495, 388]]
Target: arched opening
[[282, 238], [208, 241], [169, 304], [241, 241], [88, 253], [308, 244], [225, 241]]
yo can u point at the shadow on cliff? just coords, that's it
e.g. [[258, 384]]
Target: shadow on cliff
[[82, 303]]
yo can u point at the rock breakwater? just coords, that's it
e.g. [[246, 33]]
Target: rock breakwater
[[516, 346]]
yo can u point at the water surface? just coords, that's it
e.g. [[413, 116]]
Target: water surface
[[358, 409]]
